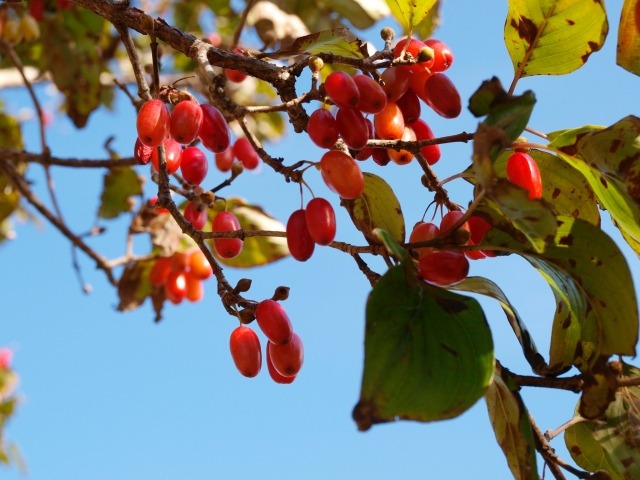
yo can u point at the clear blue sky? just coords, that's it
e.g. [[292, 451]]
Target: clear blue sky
[[108, 395]]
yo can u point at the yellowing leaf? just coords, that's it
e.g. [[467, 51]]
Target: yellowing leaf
[[410, 13], [339, 41], [628, 54], [120, 184], [377, 207], [553, 37], [361, 13]]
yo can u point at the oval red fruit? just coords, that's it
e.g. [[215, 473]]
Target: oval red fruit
[[342, 89], [172, 155], [342, 174], [152, 122], [194, 165], [245, 351], [274, 322], [431, 153], [299, 241], [287, 358], [321, 221], [353, 127], [522, 170], [226, 247], [196, 214], [245, 153], [323, 128], [372, 96], [186, 120], [273, 373], [444, 267], [441, 94], [214, 131]]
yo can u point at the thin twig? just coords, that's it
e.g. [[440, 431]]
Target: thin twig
[[241, 23]]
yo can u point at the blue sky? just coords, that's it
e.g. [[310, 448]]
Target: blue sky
[[109, 395]]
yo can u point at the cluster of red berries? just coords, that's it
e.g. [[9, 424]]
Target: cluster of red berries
[[284, 352], [395, 104], [448, 267], [315, 224], [241, 151], [181, 275]]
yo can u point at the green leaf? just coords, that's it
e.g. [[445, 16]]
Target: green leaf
[[10, 132], [10, 137], [597, 312], [428, 352], [377, 207], [120, 184], [609, 159], [509, 112], [256, 251], [72, 54], [628, 54], [553, 37], [484, 286], [339, 41], [510, 420], [410, 13], [611, 443]]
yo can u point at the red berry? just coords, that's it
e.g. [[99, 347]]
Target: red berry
[[245, 351], [142, 153], [36, 9], [224, 160], [442, 95], [381, 156], [226, 247], [175, 287], [194, 165], [342, 174], [299, 241], [444, 267], [409, 105], [366, 152], [431, 153], [245, 153], [461, 235], [195, 289], [395, 81], [287, 358], [199, 266], [234, 76], [442, 56], [389, 123], [321, 221], [214, 131], [152, 122], [172, 153], [273, 373], [353, 127], [186, 120], [196, 215], [274, 321], [523, 171], [422, 232], [160, 271], [403, 157], [413, 47], [6, 355], [323, 128], [373, 98], [342, 89]]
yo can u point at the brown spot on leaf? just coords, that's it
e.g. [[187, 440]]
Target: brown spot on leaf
[[365, 414], [567, 240], [556, 193], [576, 450], [570, 22], [603, 181], [572, 262], [615, 145], [593, 47], [527, 29], [449, 349], [596, 261], [627, 462], [566, 323], [575, 213], [451, 306]]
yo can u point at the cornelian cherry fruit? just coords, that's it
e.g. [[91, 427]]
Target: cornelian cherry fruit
[[214, 131], [273, 373], [245, 351], [342, 89], [442, 95], [372, 96], [422, 232], [323, 128], [353, 127], [444, 267], [194, 165], [442, 56], [274, 322], [196, 215], [389, 123], [152, 122], [287, 358], [175, 287], [226, 247], [321, 221], [195, 289], [342, 174], [461, 235], [224, 160], [199, 266], [299, 241], [431, 153], [160, 271], [142, 153], [523, 171], [403, 157], [185, 122], [245, 153], [172, 154]]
